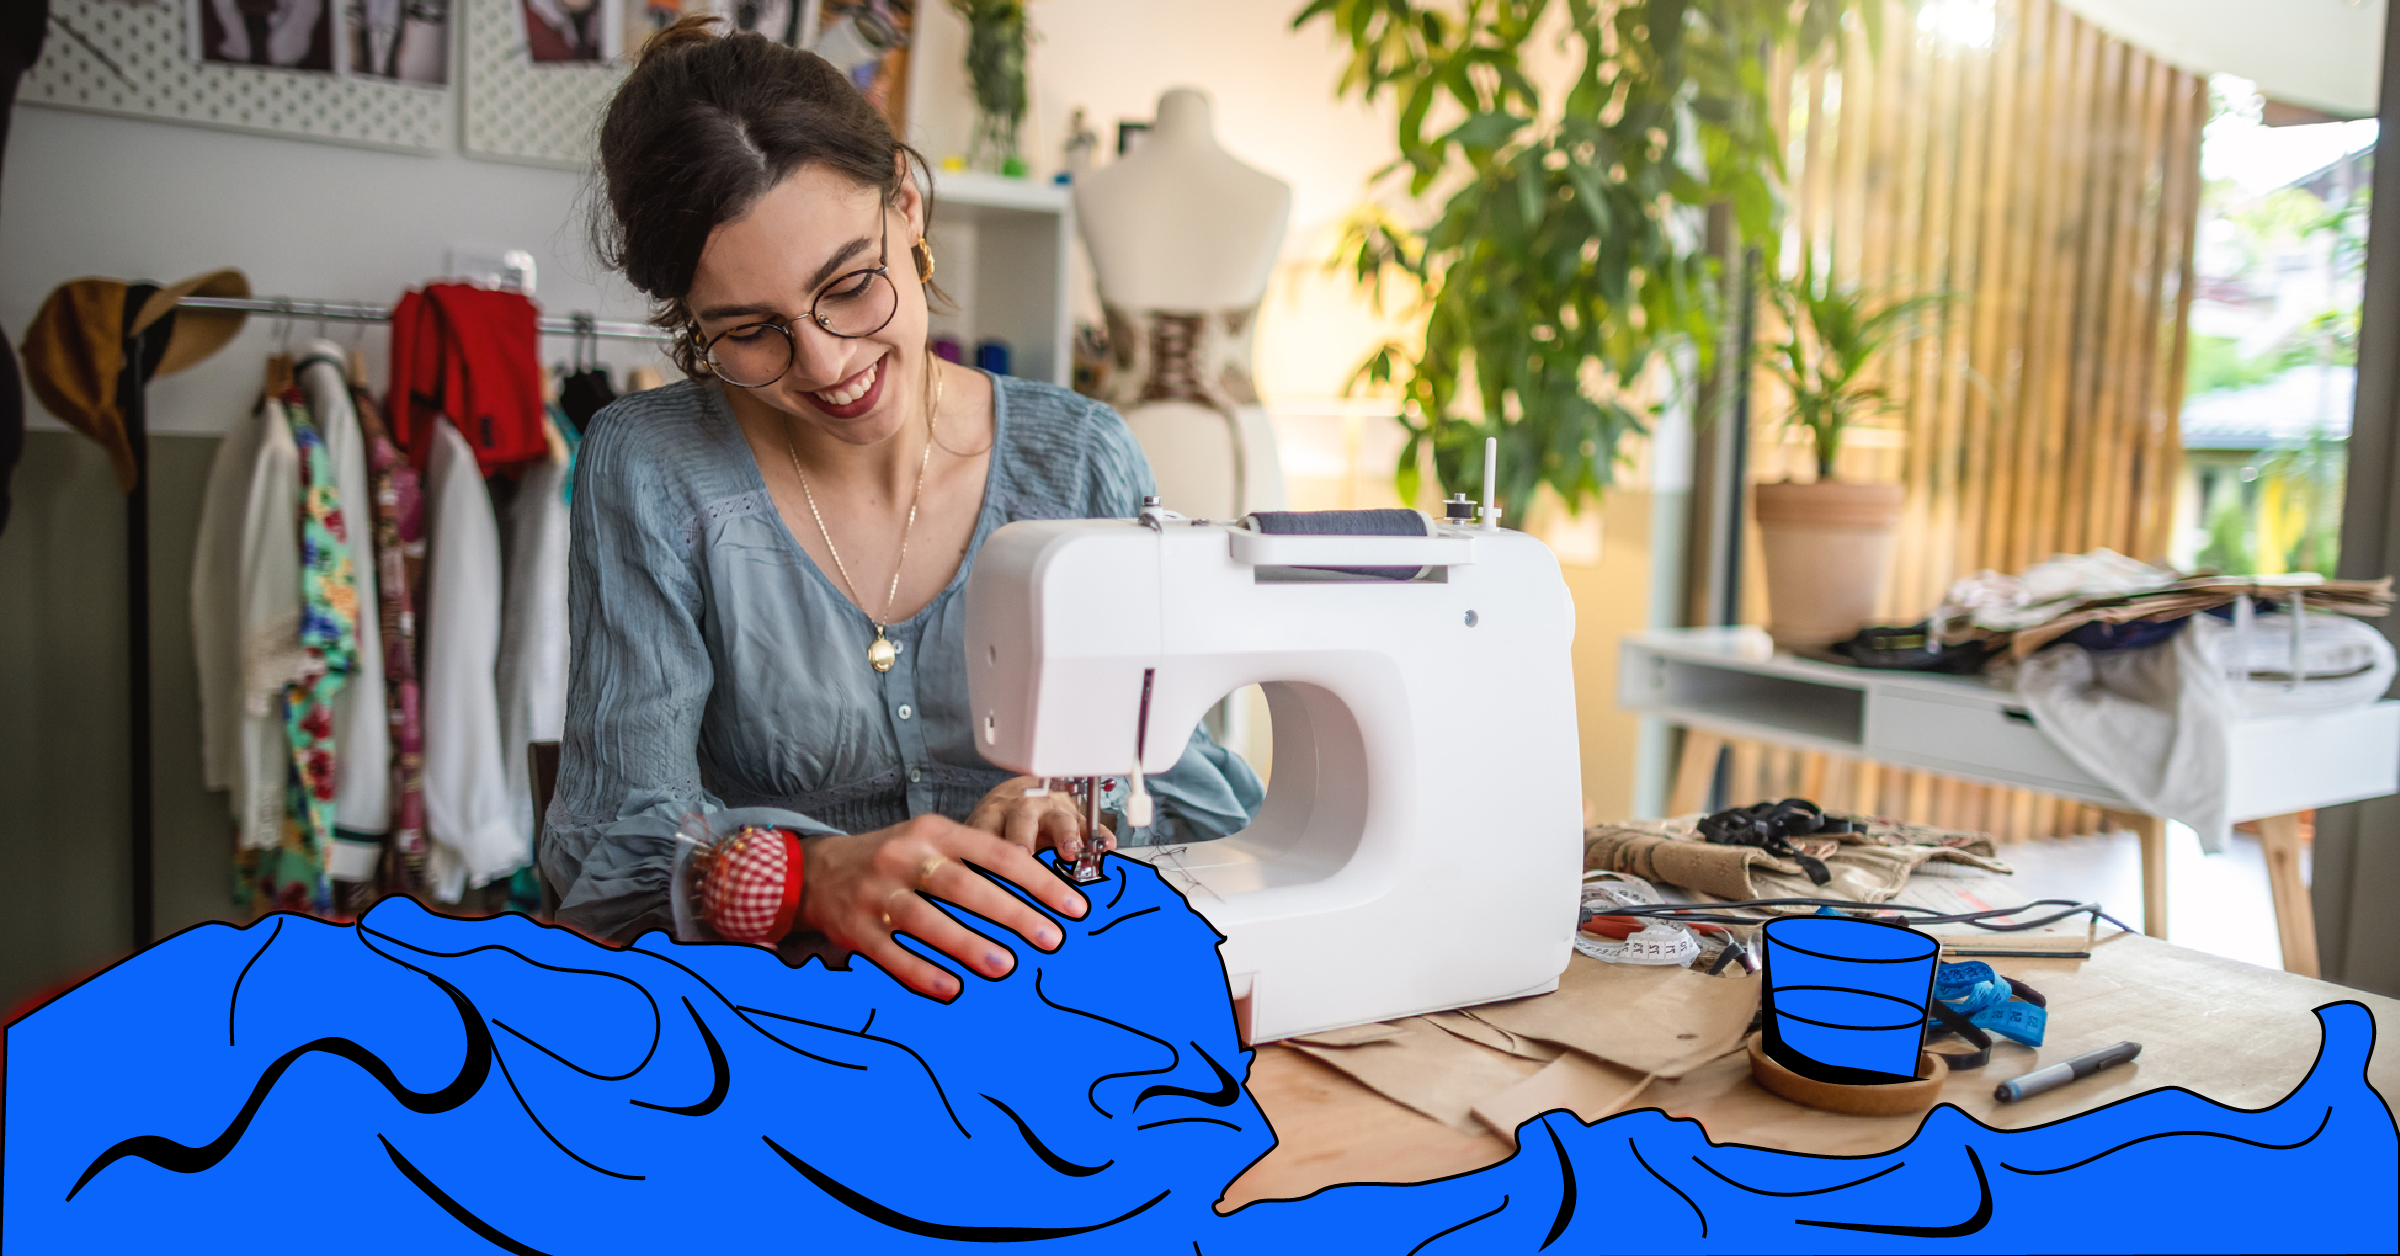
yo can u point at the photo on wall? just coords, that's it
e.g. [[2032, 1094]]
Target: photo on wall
[[568, 32], [399, 41], [644, 18], [266, 34], [778, 20], [867, 40]]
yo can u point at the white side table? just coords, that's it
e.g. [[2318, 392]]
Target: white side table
[[1730, 682]]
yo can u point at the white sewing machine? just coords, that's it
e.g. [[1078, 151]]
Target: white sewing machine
[[1421, 839]]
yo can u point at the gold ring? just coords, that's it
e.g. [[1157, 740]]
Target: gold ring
[[925, 870]]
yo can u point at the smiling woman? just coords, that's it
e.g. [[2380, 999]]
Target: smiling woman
[[768, 557]]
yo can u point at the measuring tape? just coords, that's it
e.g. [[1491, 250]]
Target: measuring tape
[[1657, 942], [1975, 1002]]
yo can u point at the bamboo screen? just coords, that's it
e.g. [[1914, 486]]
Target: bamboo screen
[[2049, 177]]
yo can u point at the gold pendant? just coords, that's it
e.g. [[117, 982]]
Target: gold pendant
[[881, 653]]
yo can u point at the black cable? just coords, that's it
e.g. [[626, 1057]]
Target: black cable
[[1717, 913]]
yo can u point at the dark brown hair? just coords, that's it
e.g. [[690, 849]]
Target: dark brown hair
[[704, 126]]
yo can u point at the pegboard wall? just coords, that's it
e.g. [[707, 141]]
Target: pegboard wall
[[546, 115], [146, 41]]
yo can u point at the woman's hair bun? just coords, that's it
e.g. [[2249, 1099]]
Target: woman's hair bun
[[694, 28]]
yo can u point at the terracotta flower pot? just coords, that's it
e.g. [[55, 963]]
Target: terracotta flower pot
[[1828, 548]]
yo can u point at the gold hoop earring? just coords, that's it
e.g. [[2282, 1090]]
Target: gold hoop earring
[[923, 253]]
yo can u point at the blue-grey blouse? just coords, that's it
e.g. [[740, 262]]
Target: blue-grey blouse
[[717, 671]]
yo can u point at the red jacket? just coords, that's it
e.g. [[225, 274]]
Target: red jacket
[[473, 356]]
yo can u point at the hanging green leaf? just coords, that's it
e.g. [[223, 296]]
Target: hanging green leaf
[[1564, 265]]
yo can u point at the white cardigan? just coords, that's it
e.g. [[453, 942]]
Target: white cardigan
[[246, 607], [475, 835]]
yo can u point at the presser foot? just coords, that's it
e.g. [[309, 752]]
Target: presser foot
[[1084, 871]]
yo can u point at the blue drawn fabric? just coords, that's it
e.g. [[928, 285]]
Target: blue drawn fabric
[[417, 1083]]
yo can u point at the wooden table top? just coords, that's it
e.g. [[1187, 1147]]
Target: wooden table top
[[2232, 1032]]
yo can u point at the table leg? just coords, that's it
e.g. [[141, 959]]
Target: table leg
[[2153, 832], [2295, 915], [1695, 773]]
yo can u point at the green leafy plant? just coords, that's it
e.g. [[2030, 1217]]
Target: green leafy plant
[[1565, 261], [1833, 333], [997, 33]]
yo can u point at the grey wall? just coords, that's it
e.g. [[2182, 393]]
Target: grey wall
[[65, 886], [92, 195]]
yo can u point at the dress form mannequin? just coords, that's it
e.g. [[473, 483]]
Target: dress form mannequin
[[1183, 238]]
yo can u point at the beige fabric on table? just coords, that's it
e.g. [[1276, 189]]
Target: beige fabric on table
[[1867, 867], [1589, 1088], [1421, 1067], [1661, 1020]]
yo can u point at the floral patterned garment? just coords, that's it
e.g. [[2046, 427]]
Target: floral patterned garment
[[399, 561], [293, 875]]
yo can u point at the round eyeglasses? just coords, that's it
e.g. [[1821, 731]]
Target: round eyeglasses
[[851, 307]]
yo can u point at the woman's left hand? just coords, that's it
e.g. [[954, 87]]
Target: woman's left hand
[[1037, 823]]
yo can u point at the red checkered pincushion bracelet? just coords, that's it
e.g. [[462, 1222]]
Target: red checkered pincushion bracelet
[[748, 885]]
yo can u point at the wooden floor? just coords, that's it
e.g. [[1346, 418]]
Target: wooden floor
[[2215, 903]]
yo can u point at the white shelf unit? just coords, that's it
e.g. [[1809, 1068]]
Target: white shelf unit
[[1000, 250]]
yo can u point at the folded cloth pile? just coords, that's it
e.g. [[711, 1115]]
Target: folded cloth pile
[[2156, 725], [2021, 614], [1870, 864]]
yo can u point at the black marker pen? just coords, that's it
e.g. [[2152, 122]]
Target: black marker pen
[[2043, 1081]]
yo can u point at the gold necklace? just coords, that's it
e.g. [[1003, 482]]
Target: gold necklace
[[881, 653]]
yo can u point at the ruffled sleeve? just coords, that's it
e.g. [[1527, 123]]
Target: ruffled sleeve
[[629, 771]]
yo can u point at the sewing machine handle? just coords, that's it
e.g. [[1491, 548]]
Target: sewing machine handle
[[1258, 549]]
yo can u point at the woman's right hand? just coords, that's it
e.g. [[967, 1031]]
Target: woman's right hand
[[860, 889]]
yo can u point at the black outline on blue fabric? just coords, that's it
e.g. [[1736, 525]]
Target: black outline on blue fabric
[[236, 1001], [897, 1220], [744, 1014], [510, 1078], [1981, 1218], [1566, 1189], [1893, 1167], [1057, 1163], [1131, 915], [1091, 1092], [177, 1157], [657, 1022], [2322, 1122], [1662, 1181], [2321, 1011], [1112, 899], [1227, 1093], [716, 1061], [1460, 1226], [1190, 1120], [939, 1093], [458, 1211]]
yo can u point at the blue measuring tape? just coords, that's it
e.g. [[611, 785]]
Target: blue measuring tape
[[1974, 1002]]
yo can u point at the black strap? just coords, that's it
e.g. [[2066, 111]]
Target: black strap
[[1954, 1022]]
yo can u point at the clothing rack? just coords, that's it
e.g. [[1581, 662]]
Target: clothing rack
[[132, 403], [297, 310]]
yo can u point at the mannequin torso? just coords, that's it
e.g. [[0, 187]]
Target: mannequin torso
[[1184, 237]]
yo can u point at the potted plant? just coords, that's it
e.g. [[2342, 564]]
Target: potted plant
[[996, 38], [1559, 273], [1828, 542]]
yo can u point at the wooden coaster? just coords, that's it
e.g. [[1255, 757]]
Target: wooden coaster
[[1894, 1099]]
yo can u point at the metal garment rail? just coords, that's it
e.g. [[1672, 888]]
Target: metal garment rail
[[363, 312]]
